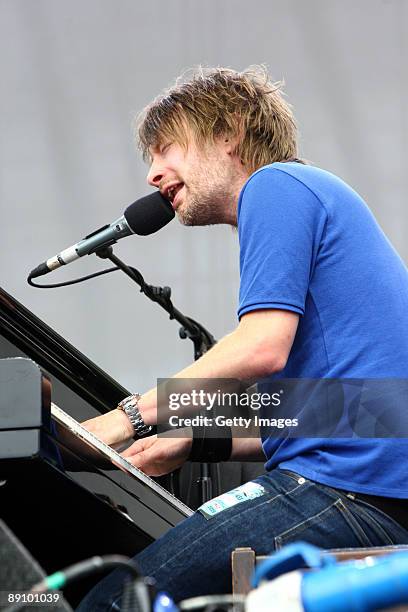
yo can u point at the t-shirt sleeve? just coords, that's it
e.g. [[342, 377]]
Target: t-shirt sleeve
[[280, 225]]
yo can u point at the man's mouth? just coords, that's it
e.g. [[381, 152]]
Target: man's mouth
[[171, 193]]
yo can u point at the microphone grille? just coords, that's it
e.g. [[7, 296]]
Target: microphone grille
[[149, 214]]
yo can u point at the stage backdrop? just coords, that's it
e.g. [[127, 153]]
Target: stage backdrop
[[74, 74]]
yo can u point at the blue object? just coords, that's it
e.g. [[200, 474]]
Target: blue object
[[310, 245], [357, 586], [164, 603], [292, 557]]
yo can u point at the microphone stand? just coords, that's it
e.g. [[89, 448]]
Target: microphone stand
[[201, 338]]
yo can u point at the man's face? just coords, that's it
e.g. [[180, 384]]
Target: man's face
[[202, 184]]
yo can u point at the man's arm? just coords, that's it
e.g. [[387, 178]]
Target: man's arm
[[159, 455], [247, 449], [258, 347]]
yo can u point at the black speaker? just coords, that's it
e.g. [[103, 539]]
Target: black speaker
[[19, 571]]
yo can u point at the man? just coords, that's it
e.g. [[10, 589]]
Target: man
[[323, 295]]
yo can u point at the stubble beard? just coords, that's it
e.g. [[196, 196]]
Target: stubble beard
[[204, 209], [208, 202]]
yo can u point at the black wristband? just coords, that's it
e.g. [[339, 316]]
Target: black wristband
[[211, 444]]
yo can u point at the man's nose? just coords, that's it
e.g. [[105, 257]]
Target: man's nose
[[155, 175]]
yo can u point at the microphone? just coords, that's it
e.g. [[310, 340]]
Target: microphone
[[145, 216]]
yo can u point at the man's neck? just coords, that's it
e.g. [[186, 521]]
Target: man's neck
[[232, 211]]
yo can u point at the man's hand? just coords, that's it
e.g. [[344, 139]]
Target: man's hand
[[157, 456], [112, 428]]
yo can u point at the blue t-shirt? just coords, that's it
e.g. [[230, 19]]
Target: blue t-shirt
[[309, 244]]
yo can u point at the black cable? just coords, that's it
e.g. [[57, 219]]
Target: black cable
[[71, 282], [161, 295], [71, 573], [97, 564], [156, 294]]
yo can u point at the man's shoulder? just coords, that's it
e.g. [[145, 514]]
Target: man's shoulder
[[290, 177], [285, 183], [301, 171]]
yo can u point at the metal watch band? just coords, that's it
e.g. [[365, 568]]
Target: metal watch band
[[129, 405]]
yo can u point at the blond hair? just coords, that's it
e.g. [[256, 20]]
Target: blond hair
[[223, 102]]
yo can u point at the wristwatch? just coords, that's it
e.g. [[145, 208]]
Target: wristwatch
[[129, 405]]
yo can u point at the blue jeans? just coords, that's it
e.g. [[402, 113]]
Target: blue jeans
[[194, 558]]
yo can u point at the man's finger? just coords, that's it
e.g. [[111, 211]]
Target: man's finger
[[134, 448], [142, 461], [146, 460]]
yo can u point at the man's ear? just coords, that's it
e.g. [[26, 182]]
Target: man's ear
[[230, 143]]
